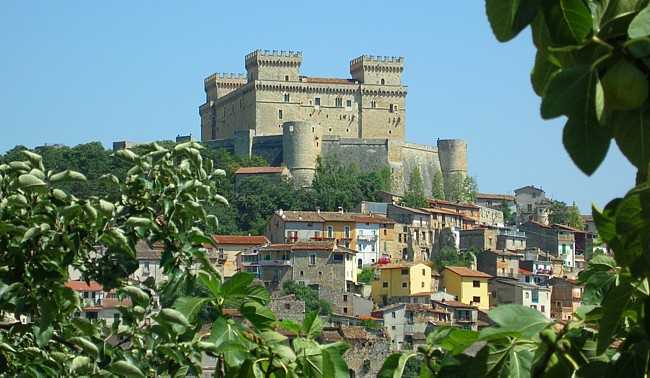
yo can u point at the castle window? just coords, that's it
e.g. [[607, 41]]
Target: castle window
[[373, 104], [338, 102], [390, 108], [286, 77], [280, 114], [383, 82], [348, 103], [286, 97], [317, 101]]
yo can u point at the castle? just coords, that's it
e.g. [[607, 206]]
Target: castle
[[291, 119]]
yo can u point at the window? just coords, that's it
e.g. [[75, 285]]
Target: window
[[405, 284], [405, 272], [338, 257], [116, 317], [393, 328], [345, 310], [286, 97], [287, 306], [286, 77], [383, 81], [476, 283], [373, 104], [280, 114], [338, 102], [312, 259], [541, 308], [267, 257], [320, 274], [347, 232], [394, 316], [399, 238], [345, 298], [359, 263], [422, 284], [390, 108], [476, 299], [330, 231], [348, 103], [384, 284], [317, 101], [302, 273], [526, 295]]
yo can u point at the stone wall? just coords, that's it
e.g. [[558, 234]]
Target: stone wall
[[365, 358], [425, 158], [366, 154]]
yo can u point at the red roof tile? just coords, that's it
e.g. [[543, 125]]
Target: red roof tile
[[241, 239], [83, 286], [466, 272]]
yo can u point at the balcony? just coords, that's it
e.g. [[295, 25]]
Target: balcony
[[369, 238], [274, 263]]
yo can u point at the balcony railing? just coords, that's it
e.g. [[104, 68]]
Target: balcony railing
[[274, 263], [367, 237]]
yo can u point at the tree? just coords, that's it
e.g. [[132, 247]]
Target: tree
[[310, 296], [437, 186], [592, 67], [560, 213], [450, 256], [367, 275], [164, 328], [414, 196], [454, 186], [509, 217], [469, 190]]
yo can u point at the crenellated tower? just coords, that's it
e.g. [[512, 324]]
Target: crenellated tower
[[276, 65]]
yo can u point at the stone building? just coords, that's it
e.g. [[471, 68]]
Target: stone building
[[565, 298], [555, 239], [532, 205], [495, 201], [288, 307], [499, 263], [366, 353], [229, 247], [506, 291], [288, 118]]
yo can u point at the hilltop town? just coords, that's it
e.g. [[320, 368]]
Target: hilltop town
[[381, 274]]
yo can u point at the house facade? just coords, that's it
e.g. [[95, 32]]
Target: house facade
[[510, 291], [228, 247], [400, 280], [468, 286], [499, 263]]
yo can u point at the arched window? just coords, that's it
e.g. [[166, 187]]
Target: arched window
[[383, 82]]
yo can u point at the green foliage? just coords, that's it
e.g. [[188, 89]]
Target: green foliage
[[560, 213], [592, 65], [344, 185], [460, 188], [310, 296], [437, 186], [449, 256], [414, 195], [367, 275], [45, 232], [509, 216]]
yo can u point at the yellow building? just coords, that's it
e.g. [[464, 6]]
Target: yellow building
[[469, 286], [340, 226], [400, 280]]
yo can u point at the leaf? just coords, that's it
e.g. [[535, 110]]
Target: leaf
[[44, 336], [67, 175], [605, 223], [189, 306], [85, 344], [137, 295], [138, 222], [79, 362], [638, 48], [569, 22], [614, 305], [312, 325], [521, 361], [632, 135], [519, 319], [173, 316], [260, 316], [126, 154], [234, 353], [509, 17], [224, 329], [393, 366], [291, 326], [542, 72], [237, 284], [567, 92], [126, 368], [106, 207], [31, 182], [640, 25], [586, 141], [333, 364]]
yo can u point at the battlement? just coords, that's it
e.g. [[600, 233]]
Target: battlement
[[273, 57], [224, 80], [377, 59]]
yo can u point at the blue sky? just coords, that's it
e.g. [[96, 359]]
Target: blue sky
[[79, 71]]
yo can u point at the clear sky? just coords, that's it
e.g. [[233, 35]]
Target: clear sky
[[79, 71]]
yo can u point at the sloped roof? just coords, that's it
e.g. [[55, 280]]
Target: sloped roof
[[303, 246], [83, 286], [491, 196], [466, 272], [241, 239], [300, 216], [450, 203], [145, 252], [455, 304]]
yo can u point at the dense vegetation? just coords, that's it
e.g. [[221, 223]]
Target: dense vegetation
[[252, 202], [310, 296]]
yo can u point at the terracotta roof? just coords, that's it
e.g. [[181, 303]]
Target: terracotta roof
[[450, 203], [335, 216], [302, 246], [368, 317], [489, 196], [240, 239], [327, 80], [300, 216], [453, 304], [372, 218], [437, 210], [525, 272], [466, 272], [83, 286], [259, 170], [412, 209], [569, 228]]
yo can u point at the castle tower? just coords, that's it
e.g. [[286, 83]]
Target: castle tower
[[378, 70], [273, 65], [301, 149], [453, 158]]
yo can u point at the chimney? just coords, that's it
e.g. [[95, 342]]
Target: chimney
[[318, 210], [341, 209], [280, 212]]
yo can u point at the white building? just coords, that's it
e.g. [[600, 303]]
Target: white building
[[367, 243], [505, 291]]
